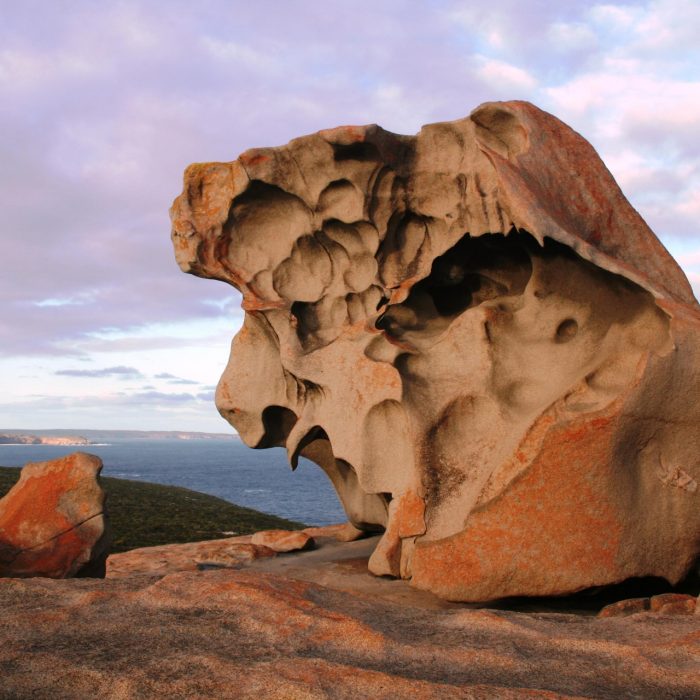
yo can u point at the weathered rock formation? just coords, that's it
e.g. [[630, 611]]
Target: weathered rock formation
[[52, 521], [475, 336]]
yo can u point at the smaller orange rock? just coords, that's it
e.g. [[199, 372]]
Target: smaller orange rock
[[673, 604], [411, 515], [342, 532], [52, 520], [622, 608], [229, 553], [284, 540]]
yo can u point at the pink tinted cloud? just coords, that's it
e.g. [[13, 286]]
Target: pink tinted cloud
[[104, 105]]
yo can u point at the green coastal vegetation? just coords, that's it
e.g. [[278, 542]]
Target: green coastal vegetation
[[146, 515]]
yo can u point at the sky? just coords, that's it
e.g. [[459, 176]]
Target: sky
[[103, 105]]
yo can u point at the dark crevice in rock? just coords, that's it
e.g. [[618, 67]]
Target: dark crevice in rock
[[361, 151], [591, 600], [278, 422], [313, 434], [472, 272]]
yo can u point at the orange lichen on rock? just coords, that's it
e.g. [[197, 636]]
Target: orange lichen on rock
[[673, 604], [475, 336], [52, 522], [227, 553], [561, 511], [342, 532], [662, 604], [622, 608], [283, 540]]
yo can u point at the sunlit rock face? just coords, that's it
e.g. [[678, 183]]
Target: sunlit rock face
[[52, 521], [475, 336]]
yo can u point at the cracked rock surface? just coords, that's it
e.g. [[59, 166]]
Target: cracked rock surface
[[475, 336], [52, 521]]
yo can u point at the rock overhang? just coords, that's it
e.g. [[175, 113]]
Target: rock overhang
[[424, 313]]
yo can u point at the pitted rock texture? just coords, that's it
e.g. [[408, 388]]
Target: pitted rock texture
[[52, 521], [247, 634], [475, 336]]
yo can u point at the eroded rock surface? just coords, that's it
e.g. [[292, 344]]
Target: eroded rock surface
[[475, 336], [52, 521], [664, 604], [255, 634], [342, 532], [231, 552], [284, 540]]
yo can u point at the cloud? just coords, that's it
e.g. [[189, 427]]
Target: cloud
[[690, 258], [505, 76], [119, 341], [567, 36], [238, 55], [74, 329], [124, 410], [160, 397], [96, 133], [644, 125], [105, 105], [118, 372], [172, 379], [129, 399]]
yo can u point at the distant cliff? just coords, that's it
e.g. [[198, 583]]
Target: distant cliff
[[8, 439], [60, 436]]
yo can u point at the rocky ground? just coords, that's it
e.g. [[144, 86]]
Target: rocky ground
[[233, 619]]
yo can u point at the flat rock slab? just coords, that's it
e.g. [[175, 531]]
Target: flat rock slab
[[342, 532], [252, 634], [231, 552], [283, 540]]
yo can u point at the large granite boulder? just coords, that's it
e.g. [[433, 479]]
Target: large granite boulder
[[52, 521], [475, 336]]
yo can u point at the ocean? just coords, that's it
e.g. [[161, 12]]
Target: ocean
[[259, 479]]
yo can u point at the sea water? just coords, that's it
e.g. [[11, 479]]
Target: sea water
[[259, 479]]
